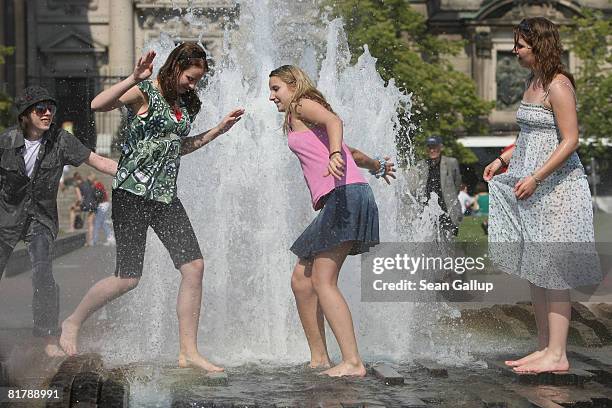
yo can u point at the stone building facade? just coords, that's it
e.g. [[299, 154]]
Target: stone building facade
[[486, 26], [78, 47]]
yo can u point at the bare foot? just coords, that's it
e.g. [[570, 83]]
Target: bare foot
[[316, 364], [68, 339], [546, 363], [346, 369], [197, 361], [526, 359], [54, 350]]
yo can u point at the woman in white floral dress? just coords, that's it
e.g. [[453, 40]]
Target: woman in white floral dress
[[541, 217]]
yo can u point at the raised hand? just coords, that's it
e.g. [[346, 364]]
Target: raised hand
[[144, 66], [389, 170], [230, 120]]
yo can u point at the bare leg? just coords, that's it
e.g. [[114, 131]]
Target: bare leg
[[311, 314], [188, 310], [99, 295], [540, 307], [325, 270], [559, 315], [72, 218], [90, 225]]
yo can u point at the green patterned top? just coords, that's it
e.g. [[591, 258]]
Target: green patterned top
[[151, 153]]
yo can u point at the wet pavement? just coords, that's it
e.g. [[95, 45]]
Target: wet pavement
[[88, 381], [85, 382]]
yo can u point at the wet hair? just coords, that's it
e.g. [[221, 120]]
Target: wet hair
[[23, 119], [542, 36], [184, 56], [298, 80]]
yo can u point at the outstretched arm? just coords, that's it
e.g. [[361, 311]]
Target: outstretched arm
[[124, 92], [191, 144], [364, 161], [102, 164]]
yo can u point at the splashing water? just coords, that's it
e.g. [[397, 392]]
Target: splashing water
[[247, 201]]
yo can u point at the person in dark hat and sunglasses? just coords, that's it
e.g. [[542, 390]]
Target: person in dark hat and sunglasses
[[32, 156]]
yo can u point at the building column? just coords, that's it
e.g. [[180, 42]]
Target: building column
[[20, 45], [121, 40], [2, 41]]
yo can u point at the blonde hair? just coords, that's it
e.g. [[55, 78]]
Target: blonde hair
[[297, 79]]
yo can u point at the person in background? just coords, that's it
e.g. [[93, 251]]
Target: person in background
[[102, 209], [86, 196], [441, 175], [482, 205], [466, 200]]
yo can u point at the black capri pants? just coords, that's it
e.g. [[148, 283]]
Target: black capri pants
[[132, 216]]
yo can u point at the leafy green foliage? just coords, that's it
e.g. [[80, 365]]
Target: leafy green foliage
[[5, 101], [589, 39], [445, 101]]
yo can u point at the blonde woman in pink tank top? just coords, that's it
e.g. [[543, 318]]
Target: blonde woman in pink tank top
[[347, 222]]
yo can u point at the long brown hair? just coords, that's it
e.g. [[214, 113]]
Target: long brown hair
[[186, 55], [297, 79], [542, 36]]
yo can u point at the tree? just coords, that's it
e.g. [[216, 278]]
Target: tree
[[445, 101], [589, 40], [5, 100]]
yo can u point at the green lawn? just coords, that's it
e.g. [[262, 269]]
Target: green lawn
[[471, 230]]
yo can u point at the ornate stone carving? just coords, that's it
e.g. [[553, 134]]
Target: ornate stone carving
[[535, 8], [208, 28], [185, 3], [73, 42], [515, 10], [483, 43], [510, 79], [73, 7]]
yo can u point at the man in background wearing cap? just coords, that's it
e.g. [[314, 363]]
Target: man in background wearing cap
[[441, 175], [32, 156]]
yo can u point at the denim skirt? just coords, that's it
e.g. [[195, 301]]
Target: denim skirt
[[349, 213]]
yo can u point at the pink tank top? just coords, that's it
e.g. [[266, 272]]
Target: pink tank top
[[312, 149]]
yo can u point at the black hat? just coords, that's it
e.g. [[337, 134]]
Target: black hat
[[30, 96], [433, 141]]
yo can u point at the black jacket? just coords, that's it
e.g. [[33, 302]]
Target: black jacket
[[36, 198]]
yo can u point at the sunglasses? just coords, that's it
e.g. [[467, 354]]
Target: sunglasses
[[42, 107]]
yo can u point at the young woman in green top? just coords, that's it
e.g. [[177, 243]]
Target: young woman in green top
[[144, 188]]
